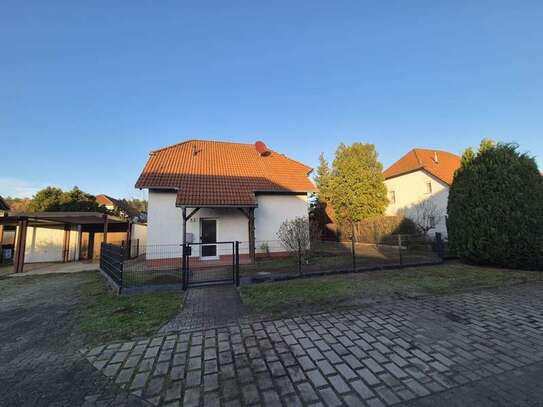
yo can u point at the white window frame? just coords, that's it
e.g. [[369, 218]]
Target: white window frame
[[428, 187]]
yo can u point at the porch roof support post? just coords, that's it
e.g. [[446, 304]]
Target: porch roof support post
[[184, 226], [105, 228], [250, 213], [20, 245], [252, 252], [185, 218]]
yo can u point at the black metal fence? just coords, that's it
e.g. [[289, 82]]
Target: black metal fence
[[130, 266], [111, 261], [209, 263], [323, 257]]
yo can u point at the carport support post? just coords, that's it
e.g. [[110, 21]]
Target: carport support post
[[66, 243], [105, 228], [128, 239], [20, 246]]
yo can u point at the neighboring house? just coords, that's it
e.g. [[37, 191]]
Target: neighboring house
[[418, 186], [119, 206], [219, 191]]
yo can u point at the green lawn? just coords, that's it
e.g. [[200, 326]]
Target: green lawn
[[107, 317], [344, 290]]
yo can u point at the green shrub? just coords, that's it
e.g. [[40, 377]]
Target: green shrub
[[495, 209]]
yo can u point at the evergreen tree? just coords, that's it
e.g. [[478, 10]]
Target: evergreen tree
[[355, 187], [495, 208]]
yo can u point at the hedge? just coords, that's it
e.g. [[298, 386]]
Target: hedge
[[495, 210]]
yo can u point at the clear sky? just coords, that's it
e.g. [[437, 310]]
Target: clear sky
[[88, 88]]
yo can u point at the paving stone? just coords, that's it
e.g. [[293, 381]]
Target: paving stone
[[397, 353]]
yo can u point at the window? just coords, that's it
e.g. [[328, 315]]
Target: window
[[428, 187], [432, 221], [392, 197]]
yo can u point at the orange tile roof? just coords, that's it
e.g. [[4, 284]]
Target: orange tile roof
[[214, 173], [425, 159]]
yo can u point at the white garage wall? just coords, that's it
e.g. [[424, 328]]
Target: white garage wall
[[44, 244]]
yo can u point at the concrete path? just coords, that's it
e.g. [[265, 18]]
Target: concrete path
[[482, 348], [35, 269]]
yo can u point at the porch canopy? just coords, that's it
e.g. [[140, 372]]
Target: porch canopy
[[87, 221]]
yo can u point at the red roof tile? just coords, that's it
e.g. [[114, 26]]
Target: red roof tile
[[425, 159], [213, 173]]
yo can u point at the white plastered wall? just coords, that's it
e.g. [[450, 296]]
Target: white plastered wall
[[165, 223], [410, 190]]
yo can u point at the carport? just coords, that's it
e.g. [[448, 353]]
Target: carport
[[86, 227]]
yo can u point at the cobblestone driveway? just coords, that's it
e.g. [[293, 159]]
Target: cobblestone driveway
[[464, 349]]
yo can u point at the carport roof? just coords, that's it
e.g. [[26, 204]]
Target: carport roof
[[77, 218]]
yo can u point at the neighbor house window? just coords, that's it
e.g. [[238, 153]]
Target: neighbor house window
[[428, 187], [392, 197]]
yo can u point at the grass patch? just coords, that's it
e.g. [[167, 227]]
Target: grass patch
[[107, 317], [333, 291]]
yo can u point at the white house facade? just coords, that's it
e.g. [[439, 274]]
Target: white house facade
[[209, 192], [165, 222], [418, 187]]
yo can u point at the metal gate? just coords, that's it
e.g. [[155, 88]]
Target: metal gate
[[210, 263]]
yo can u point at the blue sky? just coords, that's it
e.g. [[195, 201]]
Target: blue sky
[[89, 88]]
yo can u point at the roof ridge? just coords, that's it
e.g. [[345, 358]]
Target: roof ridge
[[200, 140]]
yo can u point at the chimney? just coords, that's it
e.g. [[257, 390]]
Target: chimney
[[436, 159], [262, 149]]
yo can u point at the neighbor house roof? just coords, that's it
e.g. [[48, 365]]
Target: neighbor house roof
[[440, 164], [118, 203], [3, 205], [213, 173]]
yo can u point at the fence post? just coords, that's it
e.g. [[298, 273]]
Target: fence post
[[353, 248], [400, 248], [299, 257], [122, 264], [184, 268], [237, 263], [440, 249]]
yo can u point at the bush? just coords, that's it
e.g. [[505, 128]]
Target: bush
[[294, 236], [495, 209]]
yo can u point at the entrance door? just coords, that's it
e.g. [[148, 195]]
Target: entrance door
[[208, 230]]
